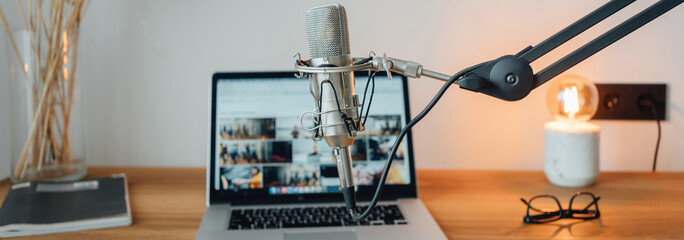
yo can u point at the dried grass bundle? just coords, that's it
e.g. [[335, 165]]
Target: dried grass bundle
[[54, 49]]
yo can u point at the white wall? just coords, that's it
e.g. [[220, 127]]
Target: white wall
[[146, 67]]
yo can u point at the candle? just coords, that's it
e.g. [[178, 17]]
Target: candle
[[571, 143]]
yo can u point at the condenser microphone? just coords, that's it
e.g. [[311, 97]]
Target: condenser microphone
[[336, 104]]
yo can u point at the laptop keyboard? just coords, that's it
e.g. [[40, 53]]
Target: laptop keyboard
[[273, 218]]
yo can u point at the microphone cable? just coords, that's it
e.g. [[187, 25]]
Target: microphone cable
[[352, 209], [349, 123]]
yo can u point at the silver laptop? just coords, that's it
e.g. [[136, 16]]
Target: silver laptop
[[268, 179]]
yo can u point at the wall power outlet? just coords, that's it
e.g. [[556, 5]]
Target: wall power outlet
[[631, 101]]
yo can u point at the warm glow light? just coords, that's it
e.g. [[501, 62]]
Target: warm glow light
[[570, 101], [572, 98], [25, 67], [66, 74]]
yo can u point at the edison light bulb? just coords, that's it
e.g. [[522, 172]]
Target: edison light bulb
[[572, 99], [571, 142]]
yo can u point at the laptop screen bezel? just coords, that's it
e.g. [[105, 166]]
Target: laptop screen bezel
[[364, 193]]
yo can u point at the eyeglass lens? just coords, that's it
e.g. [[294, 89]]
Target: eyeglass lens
[[583, 206], [544, 208]]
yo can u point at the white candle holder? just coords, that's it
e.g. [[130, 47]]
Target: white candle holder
[[571, 153]]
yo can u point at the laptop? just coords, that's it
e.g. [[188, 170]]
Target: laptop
[[268, 179]]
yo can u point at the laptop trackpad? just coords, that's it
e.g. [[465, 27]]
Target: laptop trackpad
[[329, 235]]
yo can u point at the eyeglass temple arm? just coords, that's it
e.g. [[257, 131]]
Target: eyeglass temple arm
[[530, 206], [592, 203]]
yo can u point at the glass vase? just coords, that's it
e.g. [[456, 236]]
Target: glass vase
[[46, 115]]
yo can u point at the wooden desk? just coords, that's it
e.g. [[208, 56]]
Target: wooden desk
[[168, 203]]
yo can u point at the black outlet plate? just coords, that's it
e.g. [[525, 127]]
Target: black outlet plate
[[631, 101]]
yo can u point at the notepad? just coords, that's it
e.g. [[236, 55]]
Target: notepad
[[34, 208]]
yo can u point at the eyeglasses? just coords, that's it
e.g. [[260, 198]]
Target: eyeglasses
[[547, 208]]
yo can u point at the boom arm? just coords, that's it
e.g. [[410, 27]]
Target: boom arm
[[511, 77]]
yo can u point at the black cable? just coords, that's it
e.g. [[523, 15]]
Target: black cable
[[320, 99], [363, 102], [365, 60], [371, 76], [369, 101], [344, 117], [655, 115], [404, 131]]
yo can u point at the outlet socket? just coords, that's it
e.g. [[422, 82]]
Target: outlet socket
[[631, 101]]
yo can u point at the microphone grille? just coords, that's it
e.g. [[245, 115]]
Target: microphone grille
[[326, 28]]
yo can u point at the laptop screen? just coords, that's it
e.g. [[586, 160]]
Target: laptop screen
[[261, 146]]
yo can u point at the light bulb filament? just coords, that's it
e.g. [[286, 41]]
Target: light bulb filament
[[570, 101]]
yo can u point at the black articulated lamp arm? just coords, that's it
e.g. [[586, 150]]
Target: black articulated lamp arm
[[511, 77]]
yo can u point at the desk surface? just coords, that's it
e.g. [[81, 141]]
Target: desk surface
[[168, 203]]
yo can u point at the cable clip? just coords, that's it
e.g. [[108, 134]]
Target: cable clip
[[386, 65], [299, 61]]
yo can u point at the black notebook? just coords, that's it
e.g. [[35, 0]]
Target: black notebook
[[33, 208]]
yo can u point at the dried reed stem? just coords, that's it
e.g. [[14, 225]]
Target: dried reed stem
[[14, 44], [52, 79], [21, 10]]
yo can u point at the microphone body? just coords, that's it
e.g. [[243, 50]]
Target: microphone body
[[336, 102]]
